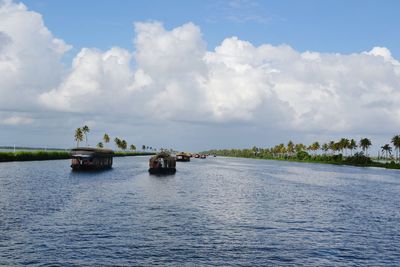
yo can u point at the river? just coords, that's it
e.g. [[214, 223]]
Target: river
[[212, 212]]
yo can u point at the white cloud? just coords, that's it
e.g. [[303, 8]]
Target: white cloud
[[29, 56], [16, 119], [177, 78]]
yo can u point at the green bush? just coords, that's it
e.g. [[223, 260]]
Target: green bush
[[358, 159]]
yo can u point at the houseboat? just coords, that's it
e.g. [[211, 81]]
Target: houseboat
[[88, 158], [182, 156], [162, 163]]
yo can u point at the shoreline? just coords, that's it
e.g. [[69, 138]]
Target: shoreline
[[40, 155], [374, 164]]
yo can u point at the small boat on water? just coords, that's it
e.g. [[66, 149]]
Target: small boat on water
[[203, 156], [88, 158], [182, 156], [196, 156], [162, 163]]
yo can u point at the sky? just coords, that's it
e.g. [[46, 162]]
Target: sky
[[196, 75]]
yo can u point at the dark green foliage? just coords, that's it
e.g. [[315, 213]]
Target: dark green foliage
[[126, 154], [302, 155], [33, 155], [358, 159]]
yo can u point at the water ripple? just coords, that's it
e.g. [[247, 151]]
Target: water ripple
[[213, 212]]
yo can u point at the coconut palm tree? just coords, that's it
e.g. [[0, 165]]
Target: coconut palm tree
[[352, 146], [290, 148], [344, 144], [132, 147], [106, 138], [299, 147], [315, 147], [117, 142], [124, 145], [387, 149], [365, 143], [143, 147], [86, 130], [396, 144], [100, 145], [78, 136], [331, 145], [325, 148]]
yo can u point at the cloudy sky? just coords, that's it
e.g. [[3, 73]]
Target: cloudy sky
[[195, 75]]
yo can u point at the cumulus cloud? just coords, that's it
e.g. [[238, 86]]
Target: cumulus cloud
[[170, 75], [29, 56], [15, 118], [176, 78]]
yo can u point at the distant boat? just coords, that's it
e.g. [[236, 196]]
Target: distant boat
[[182, 156], [88, 158], [203, 156], [196, 156], [162, 163]]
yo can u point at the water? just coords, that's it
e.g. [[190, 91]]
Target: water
[[216, 212]]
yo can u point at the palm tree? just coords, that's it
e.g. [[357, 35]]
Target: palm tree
[[365, 143], [315, 147], [396, 144], [325, 148], [132, 147], [117, 142], [386, 149], [100, 145], [290, 148], [106, 138], [344, 144], [332, 146], [299, 147], [124, 145], [143, 147], [352, 146], [85, 130], [78, 136]]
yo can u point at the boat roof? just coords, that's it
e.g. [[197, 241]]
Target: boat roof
[[183, 154], [93, 150]]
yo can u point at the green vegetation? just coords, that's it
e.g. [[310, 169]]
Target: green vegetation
[[33, 155], [54, 155], [331, 153], [126, 154]]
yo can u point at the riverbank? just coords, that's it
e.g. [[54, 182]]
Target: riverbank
[[357, 160], [54, 155]]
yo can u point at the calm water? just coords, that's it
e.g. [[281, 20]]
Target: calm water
[[217, 211]]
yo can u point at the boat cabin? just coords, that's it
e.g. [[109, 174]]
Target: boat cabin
[[88, 158], [162, 163], [182, 156]]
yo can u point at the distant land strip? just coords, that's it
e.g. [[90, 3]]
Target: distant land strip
[[35, 155]]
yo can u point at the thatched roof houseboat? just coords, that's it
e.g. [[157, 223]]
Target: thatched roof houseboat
[[162, 163], [182, 156], [88, 158]]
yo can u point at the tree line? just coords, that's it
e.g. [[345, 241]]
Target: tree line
[[81, 134], [332, 150]]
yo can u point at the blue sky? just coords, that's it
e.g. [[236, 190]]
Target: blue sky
[[323, 26], [206, 74]]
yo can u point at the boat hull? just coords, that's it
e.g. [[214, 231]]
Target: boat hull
[[89, 168], [162, 170]]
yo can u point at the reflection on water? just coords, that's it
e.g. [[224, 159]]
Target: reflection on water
[[216, 211]]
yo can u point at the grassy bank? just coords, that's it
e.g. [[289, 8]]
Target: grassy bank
[[33, 155], [130, 154], [358, 159], [53, 155]]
